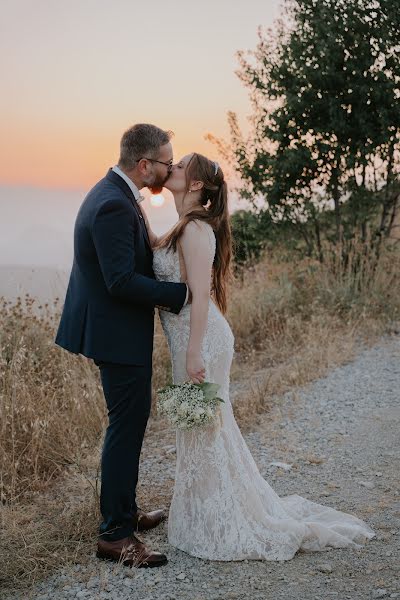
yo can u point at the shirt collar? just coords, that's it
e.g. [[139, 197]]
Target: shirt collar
[[134, 189]]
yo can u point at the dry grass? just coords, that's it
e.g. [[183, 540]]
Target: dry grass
[[292, 322], [323, 346], [300, 320], [50, 404], [53, 529]]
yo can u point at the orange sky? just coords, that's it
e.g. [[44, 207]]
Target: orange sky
[[46, 157], [76, 74]]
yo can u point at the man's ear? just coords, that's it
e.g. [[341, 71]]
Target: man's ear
[[143, 167]]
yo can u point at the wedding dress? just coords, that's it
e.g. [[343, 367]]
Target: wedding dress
[[222, 508]]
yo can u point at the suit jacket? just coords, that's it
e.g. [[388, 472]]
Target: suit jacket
[[108, 313]]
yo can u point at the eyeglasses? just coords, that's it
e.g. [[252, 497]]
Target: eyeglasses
[[169, 164]]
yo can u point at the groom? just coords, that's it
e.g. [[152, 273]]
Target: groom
[[108, 316]]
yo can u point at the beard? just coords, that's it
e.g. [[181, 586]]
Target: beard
[[156, 183]]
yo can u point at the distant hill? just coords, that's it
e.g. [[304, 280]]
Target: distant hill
[[39, 245], [36, 225]]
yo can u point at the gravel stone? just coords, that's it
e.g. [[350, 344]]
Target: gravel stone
[[379, 593], [281, 465], [325, 568], [367, 484]]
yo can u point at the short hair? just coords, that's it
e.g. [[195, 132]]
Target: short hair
[[141, 140]]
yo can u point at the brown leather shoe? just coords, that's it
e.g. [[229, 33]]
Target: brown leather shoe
[[145, 521], [131, 552]]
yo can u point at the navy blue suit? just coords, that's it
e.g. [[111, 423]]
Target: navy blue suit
[[108, 316], [109, 308]]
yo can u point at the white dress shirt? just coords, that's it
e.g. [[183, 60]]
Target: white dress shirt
[[136, 193], [134, 189]]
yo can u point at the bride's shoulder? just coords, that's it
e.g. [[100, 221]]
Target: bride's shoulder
[[198, 235], [198, 226], [199, 231]]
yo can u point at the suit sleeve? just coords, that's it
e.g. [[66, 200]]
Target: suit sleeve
[[113, 232]]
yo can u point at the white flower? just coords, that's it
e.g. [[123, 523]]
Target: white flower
[[184, 408], [189, 405], [168, 404]]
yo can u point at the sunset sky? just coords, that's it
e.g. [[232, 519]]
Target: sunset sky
[[76, 74]]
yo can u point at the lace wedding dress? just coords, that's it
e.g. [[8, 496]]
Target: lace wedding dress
[[222, 508]]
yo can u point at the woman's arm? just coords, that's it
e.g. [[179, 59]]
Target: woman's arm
[[195, 244], [152, 236]]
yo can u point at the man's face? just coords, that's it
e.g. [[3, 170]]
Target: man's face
[[161, 171]]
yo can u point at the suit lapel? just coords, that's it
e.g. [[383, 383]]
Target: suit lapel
[[141, 219], [115, 178]]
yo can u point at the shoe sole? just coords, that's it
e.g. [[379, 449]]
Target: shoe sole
[[126, 563]]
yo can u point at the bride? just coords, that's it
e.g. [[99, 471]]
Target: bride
[[222, 508]]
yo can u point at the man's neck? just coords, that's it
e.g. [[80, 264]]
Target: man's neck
[[133, 177]]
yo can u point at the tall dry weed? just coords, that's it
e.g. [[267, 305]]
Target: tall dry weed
[[51, 412]]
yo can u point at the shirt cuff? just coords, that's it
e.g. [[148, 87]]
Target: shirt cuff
[[187, 295]]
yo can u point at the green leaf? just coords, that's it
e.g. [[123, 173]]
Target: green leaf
[[209, 389]]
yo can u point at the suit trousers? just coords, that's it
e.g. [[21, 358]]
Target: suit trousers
[[127, 391]]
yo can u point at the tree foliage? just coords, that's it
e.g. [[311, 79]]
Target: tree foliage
[[323, 152]]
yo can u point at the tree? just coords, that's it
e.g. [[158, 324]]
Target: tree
[[325, 89]]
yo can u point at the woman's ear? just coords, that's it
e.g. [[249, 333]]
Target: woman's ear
[[195, 186]]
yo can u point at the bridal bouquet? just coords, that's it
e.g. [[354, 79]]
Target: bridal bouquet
[[189, 404]]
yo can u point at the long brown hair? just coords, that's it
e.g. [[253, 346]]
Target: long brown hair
[[214, 198]]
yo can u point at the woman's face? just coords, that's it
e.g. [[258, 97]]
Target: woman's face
[[176, 182]]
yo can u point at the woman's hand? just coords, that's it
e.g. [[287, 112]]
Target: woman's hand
[[195, 367]]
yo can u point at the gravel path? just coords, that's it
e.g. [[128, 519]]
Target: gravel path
[[338, 440]]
